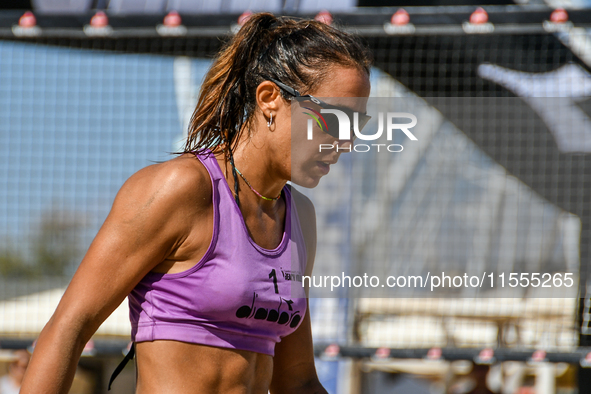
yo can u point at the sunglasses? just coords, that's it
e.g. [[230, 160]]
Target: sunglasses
[[328, 124]]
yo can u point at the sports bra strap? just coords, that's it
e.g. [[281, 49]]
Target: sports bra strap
[[122, 364]]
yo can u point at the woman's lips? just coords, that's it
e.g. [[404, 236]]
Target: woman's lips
[[324, 167]]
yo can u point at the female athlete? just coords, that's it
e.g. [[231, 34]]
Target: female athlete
[[207, 245]]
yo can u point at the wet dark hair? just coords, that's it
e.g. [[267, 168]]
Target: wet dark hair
[[298, 53]]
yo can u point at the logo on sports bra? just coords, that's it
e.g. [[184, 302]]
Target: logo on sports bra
[[294, 276], [284, 317]]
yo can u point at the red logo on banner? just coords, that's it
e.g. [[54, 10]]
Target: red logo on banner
[[486, 354], [332, 350], [400, 17], [89, 346], [479, 16], [538, 356], [99, 20], [559, 15], [244, 17], [434, 353], [89, 349], [27, 20], [382, 352], [173, 19], [324, 17]]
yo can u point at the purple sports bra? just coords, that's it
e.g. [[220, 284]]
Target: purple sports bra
[[238, 296]]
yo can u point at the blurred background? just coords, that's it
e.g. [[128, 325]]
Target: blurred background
[[93, 90]]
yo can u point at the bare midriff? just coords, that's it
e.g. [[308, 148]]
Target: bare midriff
[[184, 368]]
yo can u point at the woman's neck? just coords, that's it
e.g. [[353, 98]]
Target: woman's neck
[[259, 184]]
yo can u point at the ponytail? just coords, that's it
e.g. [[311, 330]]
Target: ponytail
[[222, 109]]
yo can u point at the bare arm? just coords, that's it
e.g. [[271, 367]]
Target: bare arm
[[150, 218], [294, 371]]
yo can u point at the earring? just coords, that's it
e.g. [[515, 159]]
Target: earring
[[270, 121]]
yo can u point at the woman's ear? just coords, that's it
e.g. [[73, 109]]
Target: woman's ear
[[269, 98]]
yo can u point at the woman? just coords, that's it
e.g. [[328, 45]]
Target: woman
[[201, 243]]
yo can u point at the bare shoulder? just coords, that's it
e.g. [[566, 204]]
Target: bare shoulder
[[153, 213], [181, 181]]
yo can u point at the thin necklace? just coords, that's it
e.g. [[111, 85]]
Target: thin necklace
[[247, 182], [252, 188]]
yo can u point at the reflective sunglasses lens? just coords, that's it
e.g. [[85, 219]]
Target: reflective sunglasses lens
[[333, 125], [363, 120]]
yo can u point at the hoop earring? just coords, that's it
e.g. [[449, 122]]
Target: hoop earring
[[270, 121]]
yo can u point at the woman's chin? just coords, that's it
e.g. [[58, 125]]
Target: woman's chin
[[307, 181]]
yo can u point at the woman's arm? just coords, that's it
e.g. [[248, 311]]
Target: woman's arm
[[294, 371], [152, 214]]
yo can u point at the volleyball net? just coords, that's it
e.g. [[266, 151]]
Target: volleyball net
[[498, 183]]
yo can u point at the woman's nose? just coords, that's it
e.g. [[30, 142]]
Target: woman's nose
[[343, 145]]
